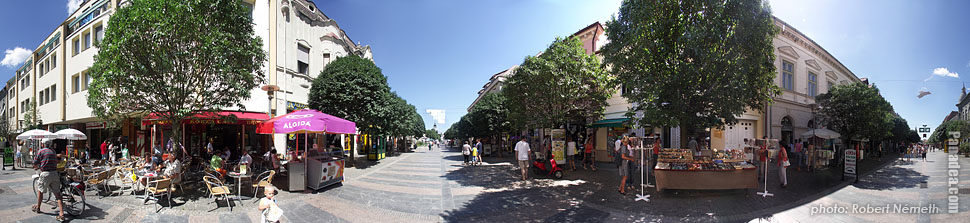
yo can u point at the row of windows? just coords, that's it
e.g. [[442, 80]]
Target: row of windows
[[788, 79], [48, 95], [86, 40], [48, 64], [80, 81]]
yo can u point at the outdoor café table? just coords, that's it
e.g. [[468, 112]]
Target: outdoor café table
[[143, 178], [239, 178]]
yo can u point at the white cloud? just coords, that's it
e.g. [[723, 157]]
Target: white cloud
[[72, 5], [945, 72], [437, 114], [15, 57]]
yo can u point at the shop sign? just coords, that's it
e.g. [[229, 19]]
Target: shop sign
[[295, 105], [94, 125], [850, 158], [559, 145]]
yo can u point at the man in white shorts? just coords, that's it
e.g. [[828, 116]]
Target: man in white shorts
[[522, 150]]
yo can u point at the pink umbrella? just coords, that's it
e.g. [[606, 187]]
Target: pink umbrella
[[307, 121]]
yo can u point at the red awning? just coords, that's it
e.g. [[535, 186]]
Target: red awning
[[248, 118]]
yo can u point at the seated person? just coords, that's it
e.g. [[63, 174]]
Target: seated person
[[216, 165], [245, 159], [172, 168]]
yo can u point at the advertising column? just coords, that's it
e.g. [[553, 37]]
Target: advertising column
[[559, 145]]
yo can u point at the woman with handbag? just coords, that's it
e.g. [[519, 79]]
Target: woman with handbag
[[783, 166]]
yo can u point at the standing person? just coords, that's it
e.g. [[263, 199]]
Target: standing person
[[616, 152], [209, 150], [50, 181], [466, 150], [923, 152], [783, 166], [799, 158], [267, 205], [657, 143], [523, 151], [625, 164], [571, 153], [18, 158], [104, 150], [112, 150], [692, 145], [762, 160], [479, 149], [474, 155], [588, 154]]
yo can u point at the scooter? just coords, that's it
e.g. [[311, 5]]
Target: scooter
[[539, 167]]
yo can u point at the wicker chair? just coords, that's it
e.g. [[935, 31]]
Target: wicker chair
[[217, 189], [265, 179], [158, 188]]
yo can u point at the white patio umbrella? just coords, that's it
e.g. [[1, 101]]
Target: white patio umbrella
[[821, 133], [37, 134], [71, 134]]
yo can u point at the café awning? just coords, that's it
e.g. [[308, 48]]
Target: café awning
[[616, 122], [249, 118]]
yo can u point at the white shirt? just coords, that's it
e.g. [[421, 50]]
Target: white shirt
[[245, 159], [571, 148], [616, 145], [522, 149], [466, 149]]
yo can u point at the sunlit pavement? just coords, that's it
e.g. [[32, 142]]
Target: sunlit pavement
[[892, 186], [434, 186]]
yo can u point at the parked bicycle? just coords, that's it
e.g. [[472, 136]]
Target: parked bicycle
[[72, 194]]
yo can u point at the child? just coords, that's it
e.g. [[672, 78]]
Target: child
[[475, 160], [267, 204]]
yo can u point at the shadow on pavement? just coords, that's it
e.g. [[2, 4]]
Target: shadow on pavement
[[892, 178]]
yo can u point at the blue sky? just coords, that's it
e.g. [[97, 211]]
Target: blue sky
[[438, 53]]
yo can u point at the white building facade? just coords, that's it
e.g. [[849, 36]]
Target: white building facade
[[299, 39]]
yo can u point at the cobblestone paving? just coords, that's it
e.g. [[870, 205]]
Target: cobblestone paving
[[896, 184], [434, 186]]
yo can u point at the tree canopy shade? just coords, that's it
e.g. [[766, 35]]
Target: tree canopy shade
[[431, 133], [490, 116], [177, 58], [941, 133], [693, 64], [563, 84], [353, 88], [856, 111]]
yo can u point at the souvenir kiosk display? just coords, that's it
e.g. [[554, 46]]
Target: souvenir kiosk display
[[316, 169], [724, 169]]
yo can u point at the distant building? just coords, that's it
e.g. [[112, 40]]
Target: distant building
[[494, 85], [963, 105]]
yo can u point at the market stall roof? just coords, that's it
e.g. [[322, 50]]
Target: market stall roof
[[821, 133], [615, 122], [307, 121], [211, 118]]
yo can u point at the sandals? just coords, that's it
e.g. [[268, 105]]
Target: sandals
[[60, 218], [35, 208]]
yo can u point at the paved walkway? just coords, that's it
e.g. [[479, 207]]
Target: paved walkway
[[433, 186], [897, 185]]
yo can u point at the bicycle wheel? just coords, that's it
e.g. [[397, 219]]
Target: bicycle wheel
[[74, 201], [46, 198]]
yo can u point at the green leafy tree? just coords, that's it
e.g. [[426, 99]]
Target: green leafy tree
[[693, 64], [32, 116], [353, 88], [490, 115], [856, 111], [941, 133], [431, 133], [176, 58], [563, 84]]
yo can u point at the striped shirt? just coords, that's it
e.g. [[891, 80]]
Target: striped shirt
[[46, 160]]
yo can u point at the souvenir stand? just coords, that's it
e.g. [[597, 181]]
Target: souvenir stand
[[314, 169], [680, 169]]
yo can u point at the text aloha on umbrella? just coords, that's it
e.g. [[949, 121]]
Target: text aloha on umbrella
[[36, 134]]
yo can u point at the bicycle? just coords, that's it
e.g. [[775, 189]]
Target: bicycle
[[72, 194]]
